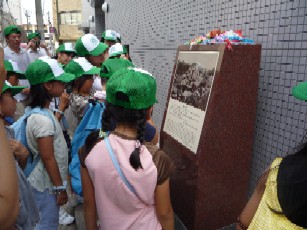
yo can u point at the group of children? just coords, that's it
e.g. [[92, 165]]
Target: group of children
[[60, 89], [125, 177]]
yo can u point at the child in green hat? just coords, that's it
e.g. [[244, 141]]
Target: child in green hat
[[95, 52], [13, 76], [110, 37], [114, 62], [45, 140], [81, 90], [136, 173], [65, 53], [28, 214], [13, 73]]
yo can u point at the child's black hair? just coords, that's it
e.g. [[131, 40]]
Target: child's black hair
[[78, 83], [121, 115], [39, 96], [9, 73]]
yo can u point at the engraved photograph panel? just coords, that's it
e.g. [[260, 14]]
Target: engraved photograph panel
[[193, 77], [190, 92]]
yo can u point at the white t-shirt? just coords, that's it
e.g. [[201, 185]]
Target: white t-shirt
[[33, 55], [21, 58], [38, 126]]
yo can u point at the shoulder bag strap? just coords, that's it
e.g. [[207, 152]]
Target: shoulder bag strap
[[116, 164], [31, 163]]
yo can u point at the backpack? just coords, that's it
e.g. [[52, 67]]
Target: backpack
[[90, 122], [20, 134]]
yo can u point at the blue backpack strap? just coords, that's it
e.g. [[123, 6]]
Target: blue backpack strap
[[116, 164], [31, 163], [91, 121]]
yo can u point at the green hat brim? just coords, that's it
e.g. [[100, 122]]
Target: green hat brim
[[66, 51], [101, 48], [64, 77], [300, 91], [92, 71], [14, 89], [21, 75], [116, 53], [62, 49], [110, 39]]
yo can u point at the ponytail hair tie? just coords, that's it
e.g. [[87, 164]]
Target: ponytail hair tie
[[137, 144]]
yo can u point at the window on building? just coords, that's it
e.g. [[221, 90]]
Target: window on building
[[70, 17]]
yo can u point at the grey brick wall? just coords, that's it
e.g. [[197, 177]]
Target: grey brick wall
[[154, 29]]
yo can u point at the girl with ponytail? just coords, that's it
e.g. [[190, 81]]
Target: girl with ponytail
[[125, 180]]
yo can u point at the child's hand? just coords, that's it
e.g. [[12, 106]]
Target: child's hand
[[30, 44], [43, 45], [19, 150], [25, 91], [62, 198], [64, 101]]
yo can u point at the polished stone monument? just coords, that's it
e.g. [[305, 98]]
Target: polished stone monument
[[208, 129]]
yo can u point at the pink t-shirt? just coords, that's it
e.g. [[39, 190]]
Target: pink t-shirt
[[117, 207]]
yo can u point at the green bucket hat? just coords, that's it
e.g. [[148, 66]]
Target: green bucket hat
[[300, 91], [110, 35], [66, 47], [111, 65], [11, 30], [14, 89], [45, 69], [89, 44], [115, 50], [139, 85], [11, 66], [81, 66], [33, 35]]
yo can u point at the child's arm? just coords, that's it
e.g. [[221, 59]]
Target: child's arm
[[90, 213], [163, 206], [46, 150], [64, 103], [2, 70], [9, 194], [251, 207]]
